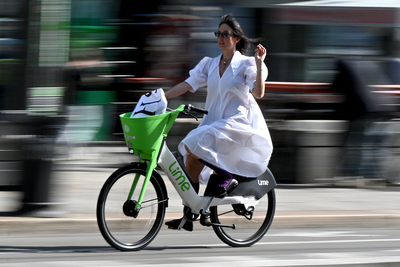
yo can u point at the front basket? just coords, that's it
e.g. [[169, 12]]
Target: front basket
[[143, 134]]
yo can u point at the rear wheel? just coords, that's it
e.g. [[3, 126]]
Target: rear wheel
[[251, 223], [115, 216]]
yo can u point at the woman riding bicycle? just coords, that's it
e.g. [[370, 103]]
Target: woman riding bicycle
[[233, 137]]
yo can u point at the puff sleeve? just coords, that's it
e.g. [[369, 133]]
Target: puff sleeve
[[250, 72], [199, 74]]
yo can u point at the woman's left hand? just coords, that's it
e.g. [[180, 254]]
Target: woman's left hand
[[259, 54], [259, 86]]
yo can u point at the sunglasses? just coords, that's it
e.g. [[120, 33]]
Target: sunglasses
[[223, 34]]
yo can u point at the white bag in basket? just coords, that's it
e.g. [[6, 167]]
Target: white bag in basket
[[152, 103]]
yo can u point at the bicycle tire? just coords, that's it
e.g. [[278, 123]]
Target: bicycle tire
[[246, 232], [123, 232]]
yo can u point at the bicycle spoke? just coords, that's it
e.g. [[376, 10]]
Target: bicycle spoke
[[156, 203]]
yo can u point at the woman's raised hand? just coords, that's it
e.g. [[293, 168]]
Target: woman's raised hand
[[259, 54]]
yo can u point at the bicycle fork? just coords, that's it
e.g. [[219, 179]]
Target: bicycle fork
[[128, 206]]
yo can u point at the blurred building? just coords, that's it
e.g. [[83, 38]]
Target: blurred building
[[116, 49], [313, 33], [88, 61]]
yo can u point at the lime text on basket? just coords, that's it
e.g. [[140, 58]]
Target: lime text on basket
[[179, 177]]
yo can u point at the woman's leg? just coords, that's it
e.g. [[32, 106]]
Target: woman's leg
[[194, 167]]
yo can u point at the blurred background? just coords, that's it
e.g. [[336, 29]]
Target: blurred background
[[68, 68]]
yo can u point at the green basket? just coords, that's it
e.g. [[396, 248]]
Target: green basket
[[144, 135]]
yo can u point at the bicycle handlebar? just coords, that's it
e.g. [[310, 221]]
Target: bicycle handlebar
[[199, 110]]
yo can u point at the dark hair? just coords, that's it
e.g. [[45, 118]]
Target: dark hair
[[244, 42]]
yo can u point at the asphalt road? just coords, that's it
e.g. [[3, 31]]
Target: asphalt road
[[313, 226], [280, 247]]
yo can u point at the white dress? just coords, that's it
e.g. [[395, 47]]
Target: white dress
[[234, 135]]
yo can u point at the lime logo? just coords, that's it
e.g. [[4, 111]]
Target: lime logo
[[265, 182], [126, 128], [179, 177]]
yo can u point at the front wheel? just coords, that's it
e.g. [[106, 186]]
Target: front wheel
[[120, 228], [251, 223]]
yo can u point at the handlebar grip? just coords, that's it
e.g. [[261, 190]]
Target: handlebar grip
[[199, 110]]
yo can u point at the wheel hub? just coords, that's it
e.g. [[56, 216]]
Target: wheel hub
[[129, 208]]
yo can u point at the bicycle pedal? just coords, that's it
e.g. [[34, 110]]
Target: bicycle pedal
[[189, 215]]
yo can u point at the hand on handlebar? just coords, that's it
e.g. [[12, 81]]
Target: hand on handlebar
[[189, 107]]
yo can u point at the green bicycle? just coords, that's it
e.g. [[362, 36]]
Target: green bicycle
[[132, 202]]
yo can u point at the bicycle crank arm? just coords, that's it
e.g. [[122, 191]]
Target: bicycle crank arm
[[206, 222]]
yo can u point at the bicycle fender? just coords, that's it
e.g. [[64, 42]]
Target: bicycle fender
[[256, 187]]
